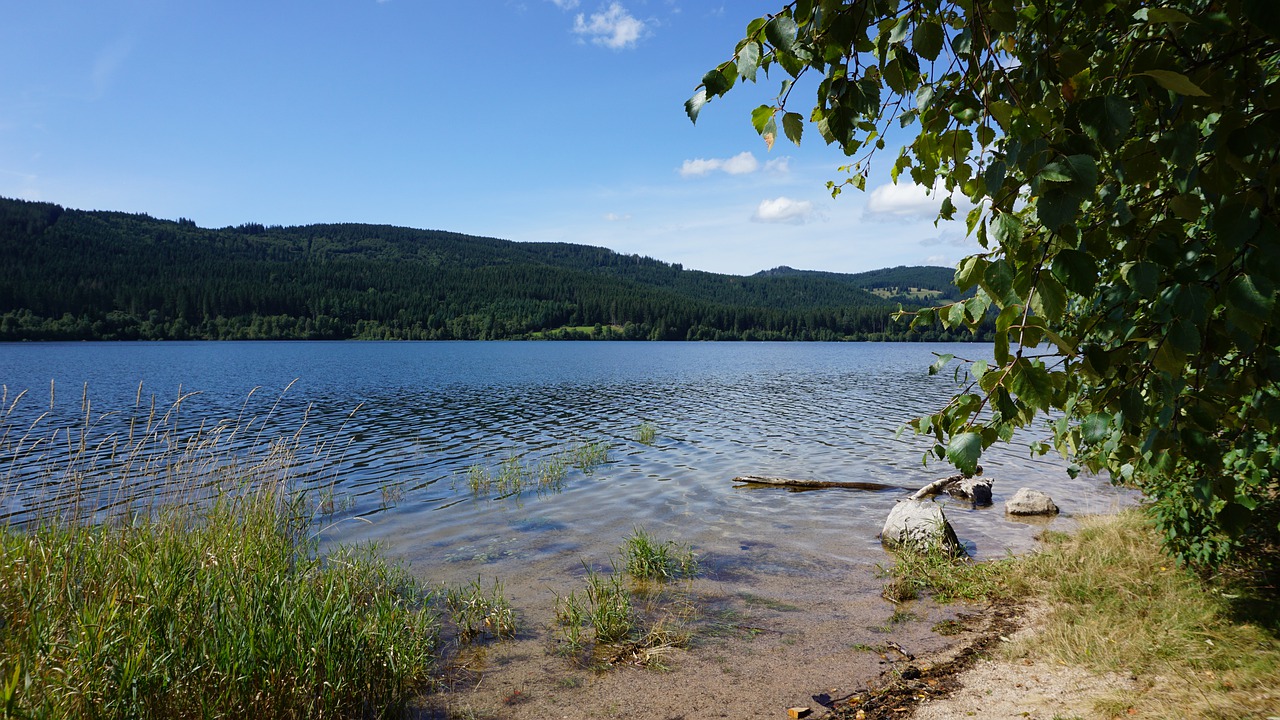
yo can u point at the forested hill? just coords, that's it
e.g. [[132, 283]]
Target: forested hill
[[72, 274]]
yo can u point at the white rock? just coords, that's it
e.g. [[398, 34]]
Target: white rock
[[1030, 502], [919, 524]]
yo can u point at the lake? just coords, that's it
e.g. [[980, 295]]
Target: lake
[[409, 424], [410, 444]]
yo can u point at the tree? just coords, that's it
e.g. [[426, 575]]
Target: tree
[[1120, 159]]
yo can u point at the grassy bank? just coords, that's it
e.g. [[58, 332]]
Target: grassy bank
[[1204, 648], [171, 572], [220, 611]]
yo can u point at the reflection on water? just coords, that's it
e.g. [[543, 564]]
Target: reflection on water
[[403, 424]]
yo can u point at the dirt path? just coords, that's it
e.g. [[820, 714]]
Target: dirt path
[[974, 679]]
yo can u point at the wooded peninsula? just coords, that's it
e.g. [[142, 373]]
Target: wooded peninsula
[[97, 275]]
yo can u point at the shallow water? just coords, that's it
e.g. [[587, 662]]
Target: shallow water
[[405, 422]]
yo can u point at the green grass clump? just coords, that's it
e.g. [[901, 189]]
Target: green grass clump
[[221, 611], [948, 578], [648, 558], [602, 627], [476, 612], [516, 474], [646, 433], [589, 456]]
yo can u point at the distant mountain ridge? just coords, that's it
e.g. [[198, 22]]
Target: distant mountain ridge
[[75, 274]]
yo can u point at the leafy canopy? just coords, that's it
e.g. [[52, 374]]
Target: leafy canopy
[[1120, 157]]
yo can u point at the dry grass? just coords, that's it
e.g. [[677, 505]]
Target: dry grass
[[1119, 603]]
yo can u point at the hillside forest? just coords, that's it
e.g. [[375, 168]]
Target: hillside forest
[[97, 275]]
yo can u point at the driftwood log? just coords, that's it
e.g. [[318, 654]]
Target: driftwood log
[[795, 484], [937, 487]]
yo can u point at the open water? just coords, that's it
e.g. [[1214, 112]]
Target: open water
[[402, 426]]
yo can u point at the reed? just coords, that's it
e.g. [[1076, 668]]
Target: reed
[[647, 558], [602, 624], [477, 613], [173, 573], [604, 606], [646, 433], [518, 474], [589, 455]]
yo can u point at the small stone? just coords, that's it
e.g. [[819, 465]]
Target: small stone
[[798, 712], [1030, 502], [974, 489]]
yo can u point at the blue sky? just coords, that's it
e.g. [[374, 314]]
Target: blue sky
[[529, 120]]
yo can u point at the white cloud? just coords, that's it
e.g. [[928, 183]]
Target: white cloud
[[740, 164], [565, 4], [898, 202], [615, 217], [784, 210], [699, 167], [781, 165], [939, 260], [615, 28]]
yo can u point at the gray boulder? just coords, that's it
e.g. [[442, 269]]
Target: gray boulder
[[921, 525], [1030, 502]]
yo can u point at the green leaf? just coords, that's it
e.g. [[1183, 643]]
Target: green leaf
[[1234, 518], [997, 280], [927, 40], [970, 272], [1057, 208], [781, 33], [1235, 222], [948, 209], [716, 83], [1175, 82], [1031, 383], [899, 32], [1049, 300], [1056, 173], [693, 105], [1106, 120], [1185, 336], [1142, 277], [793, 126], [1186, 206], [1095, 428], [1076, 270], [1245, 296], [1007, 230], [749, 60], [963, 451], [1167, 15], [761, 116], [940, 363]]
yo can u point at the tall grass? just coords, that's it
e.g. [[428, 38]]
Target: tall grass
[[166, 573]]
